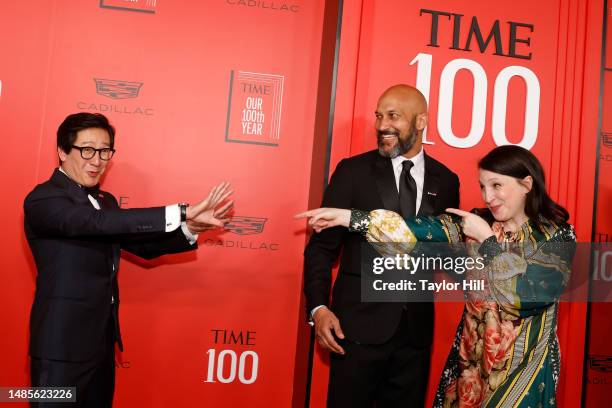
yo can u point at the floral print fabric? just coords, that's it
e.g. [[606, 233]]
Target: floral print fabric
[[505, 352]]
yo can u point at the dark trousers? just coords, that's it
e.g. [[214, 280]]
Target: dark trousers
[[392, 374], [94, 380]]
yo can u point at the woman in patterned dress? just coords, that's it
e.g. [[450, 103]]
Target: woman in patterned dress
[[505, 352]]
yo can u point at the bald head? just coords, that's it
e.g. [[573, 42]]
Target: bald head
[[409, 96], [401, 116]]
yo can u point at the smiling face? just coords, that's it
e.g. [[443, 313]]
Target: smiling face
[[504, 195], [86, 172], [401, 115]]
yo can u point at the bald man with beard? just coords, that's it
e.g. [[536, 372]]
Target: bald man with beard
[[379, 351]]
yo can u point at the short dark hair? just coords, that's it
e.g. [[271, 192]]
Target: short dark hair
[[67, 131], [518, 162]]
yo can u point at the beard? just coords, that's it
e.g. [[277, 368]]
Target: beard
[[402, 145]]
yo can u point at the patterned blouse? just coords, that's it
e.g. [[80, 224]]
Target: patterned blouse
[[505, 352]]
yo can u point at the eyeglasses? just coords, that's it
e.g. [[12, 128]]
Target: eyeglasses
[[88, 153]]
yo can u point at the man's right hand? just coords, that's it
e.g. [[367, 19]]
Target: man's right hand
[[325, 321], [322, 218]]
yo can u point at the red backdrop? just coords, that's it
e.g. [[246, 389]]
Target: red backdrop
[[599, 349], [548, 100], [171, 76]]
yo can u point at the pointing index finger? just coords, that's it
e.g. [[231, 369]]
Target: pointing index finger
[[458, 212], [306, 214]]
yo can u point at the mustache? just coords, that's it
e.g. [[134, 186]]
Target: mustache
[[382, 133]]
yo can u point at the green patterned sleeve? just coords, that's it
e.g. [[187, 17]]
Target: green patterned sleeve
[[383, 226], [526, 279]]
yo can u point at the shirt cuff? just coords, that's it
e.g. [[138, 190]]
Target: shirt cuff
[[360, 221], [192, 238], [489, 249], [312, 312], [173, 217]]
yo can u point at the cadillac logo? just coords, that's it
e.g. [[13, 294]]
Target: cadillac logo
[[246, 225], [145, 6], [266, 5], [117, 91], [600, 362], [114, 89]]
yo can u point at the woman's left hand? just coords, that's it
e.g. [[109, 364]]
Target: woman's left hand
[[321, 218], [472, 225]]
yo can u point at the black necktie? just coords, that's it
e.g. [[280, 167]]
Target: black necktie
[[93, 191], [407, 190]]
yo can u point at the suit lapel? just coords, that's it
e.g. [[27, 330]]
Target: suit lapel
[[105, 202], [430, 189], [385, 183], [81, 196], [74, 190]]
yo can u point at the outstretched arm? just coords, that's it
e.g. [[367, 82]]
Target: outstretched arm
[[383, 226]]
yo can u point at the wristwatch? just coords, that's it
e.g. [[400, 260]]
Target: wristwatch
[[183, 208]]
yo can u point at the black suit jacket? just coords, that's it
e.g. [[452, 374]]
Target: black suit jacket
[[366, 182], [76, 249]]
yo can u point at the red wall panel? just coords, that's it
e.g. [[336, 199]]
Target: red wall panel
[[544, 85], [161, 72], [598, 373]]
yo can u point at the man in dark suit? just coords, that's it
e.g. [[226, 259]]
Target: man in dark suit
[[380, 350], [76, 233]]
